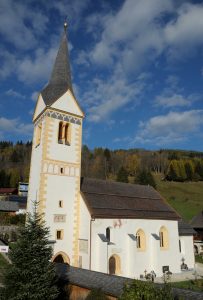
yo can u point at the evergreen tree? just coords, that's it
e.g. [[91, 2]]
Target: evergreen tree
[[189, 169], [31, 275], [122, 175], [172, 172], [145, 177], [181, 171], [199, 168]]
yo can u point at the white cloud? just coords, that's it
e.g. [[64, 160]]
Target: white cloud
[[184, 33], [13, 93], [174, 96], [171, 101], [14, 127], [34, 96], [128, 35], [170, 128], [35, 69], [14, 19], [138, 33], [109, 95], [8, 63]]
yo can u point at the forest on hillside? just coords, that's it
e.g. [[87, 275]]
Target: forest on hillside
[[133, 165]]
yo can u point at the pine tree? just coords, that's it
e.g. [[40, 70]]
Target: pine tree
[[122, 175], [189, 169], [31, 275], [145, 177]]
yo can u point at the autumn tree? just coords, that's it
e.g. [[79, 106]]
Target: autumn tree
[[132, 164]]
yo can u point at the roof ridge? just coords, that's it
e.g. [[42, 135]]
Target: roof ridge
[[120, 195]]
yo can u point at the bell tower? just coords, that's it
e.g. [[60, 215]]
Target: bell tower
[[56, 158]]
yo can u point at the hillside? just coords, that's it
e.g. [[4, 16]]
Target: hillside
[[185, 197]]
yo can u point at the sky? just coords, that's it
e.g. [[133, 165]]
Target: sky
[[137, 69]]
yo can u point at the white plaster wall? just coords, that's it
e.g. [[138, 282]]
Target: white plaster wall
[[61, 188], [68, 103], [40, 106], [187, 251], [63, 152], [35, 167], [133, 261], [84, 232]]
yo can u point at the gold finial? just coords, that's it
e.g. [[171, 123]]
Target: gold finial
[[65, 25]]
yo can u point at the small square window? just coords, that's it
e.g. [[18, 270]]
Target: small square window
[[60, 203], [59, 234]]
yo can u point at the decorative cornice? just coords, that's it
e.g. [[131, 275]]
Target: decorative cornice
[[59, 116]]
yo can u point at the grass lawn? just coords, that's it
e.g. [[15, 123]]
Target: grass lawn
[[195, 285], [199, 258], [185, 197]]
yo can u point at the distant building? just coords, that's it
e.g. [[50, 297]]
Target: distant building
[[197, 224], [4, 192], [105, 226], [23, 189]]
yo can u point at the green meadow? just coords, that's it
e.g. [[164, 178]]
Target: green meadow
[[185, 197]]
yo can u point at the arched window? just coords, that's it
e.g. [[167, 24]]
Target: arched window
[[163, 235], [141, 240], [60, 133], [64, 134], [108, 234], [114, 265]]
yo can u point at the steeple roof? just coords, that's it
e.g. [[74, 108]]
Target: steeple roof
[[60, 80]]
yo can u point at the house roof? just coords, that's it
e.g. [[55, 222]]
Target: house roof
[[109, 199], [197, 221], [111, 285], [185, 228], [7, 206], [60, 80], [21, 200], [8, 191]]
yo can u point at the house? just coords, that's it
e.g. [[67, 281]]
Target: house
[[105, 226], [197, 225]]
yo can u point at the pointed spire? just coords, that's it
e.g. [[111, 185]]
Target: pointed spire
[[60, 80]]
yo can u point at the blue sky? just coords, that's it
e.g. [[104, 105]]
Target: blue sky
[[137, 68]]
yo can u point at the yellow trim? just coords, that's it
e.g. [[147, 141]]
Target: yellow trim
[[61, 234], [141, 244], [64, 255], [78, 146], [38, 134], [118, 263], [164, 238], [47, 131]]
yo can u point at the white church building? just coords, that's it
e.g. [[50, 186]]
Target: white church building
[[105, 226]]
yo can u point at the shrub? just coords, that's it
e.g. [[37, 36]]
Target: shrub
[[140, 290]]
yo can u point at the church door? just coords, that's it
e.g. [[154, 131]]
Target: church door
[[112, 265], [59, 259]]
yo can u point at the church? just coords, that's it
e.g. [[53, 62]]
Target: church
[[110, 227]]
